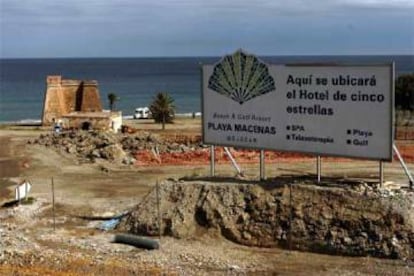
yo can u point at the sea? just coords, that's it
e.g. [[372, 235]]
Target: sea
[[134, 80]]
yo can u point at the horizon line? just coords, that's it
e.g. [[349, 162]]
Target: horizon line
[[205, 56]]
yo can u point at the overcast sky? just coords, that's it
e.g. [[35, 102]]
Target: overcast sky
[[139, 28]]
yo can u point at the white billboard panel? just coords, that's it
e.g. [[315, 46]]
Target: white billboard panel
[[322, 109]]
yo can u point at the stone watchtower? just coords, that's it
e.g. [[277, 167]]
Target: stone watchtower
[[65, 96]]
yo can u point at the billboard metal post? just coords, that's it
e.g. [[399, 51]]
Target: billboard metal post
[[407, 172], [212, 161], [318, 168], [262, 165], [233, 161]]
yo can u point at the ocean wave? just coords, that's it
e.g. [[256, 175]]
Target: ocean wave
[[179, 115], [189, 114], [22, 122]]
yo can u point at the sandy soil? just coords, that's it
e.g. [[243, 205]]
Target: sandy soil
[[85, 189]]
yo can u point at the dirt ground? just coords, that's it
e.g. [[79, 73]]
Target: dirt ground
[[30, 246]]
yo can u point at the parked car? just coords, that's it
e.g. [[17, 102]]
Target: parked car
[[142, 113]]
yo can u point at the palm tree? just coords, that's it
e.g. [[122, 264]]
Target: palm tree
[[112, 98], [163, 109]]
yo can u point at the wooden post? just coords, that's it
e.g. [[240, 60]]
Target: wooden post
[[381, 173], [212, 161], [262, 165], [290, 217], [158, 209], [318, 168], [53, 205]]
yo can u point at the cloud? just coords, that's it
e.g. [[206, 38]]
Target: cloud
[[400, 3], [86, 8], [177, 27]]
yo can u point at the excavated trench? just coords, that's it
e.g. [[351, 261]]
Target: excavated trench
[[336, 218]]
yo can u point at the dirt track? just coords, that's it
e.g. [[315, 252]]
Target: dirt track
[[105, 188]]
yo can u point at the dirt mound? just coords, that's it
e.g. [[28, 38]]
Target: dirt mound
[[331, 219]]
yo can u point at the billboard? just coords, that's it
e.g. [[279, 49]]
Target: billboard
[[334, 110]]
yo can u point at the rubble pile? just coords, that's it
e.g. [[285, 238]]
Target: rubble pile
[[85, 145], [30, 246], [329, 219], [121, 148], [146, 148], [150, 141]]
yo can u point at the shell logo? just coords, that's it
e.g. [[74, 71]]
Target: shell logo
[[241, 77]]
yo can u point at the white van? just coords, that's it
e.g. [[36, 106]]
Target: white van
[[142, 113]]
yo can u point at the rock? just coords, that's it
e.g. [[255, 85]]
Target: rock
[[347, 240], [234, 267], [184, 148], [128, 160], [116, 152], [246, 235], [104, 169], [95, 154]]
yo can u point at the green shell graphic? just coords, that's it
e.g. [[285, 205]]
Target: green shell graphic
[[241, 77]]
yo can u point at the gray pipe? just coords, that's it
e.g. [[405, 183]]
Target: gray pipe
[[136, 241]]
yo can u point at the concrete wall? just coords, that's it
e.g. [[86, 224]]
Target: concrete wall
[[65, 96], [103, 123], [116, 121]]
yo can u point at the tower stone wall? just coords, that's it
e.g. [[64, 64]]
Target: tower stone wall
[[65, 96]]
